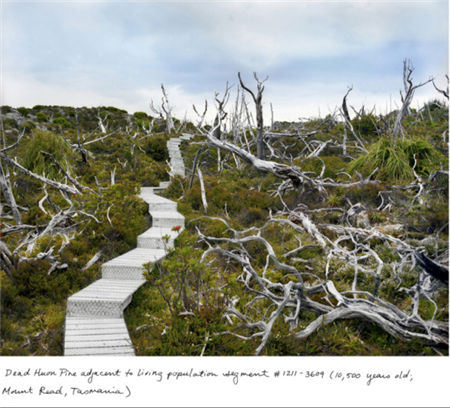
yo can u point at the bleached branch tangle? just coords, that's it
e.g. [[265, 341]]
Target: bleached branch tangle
[[271, 297]]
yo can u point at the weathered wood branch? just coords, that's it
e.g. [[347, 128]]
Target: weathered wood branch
[[442, 91], [69, 177], [283, 171], [287, 298], [45, 180]]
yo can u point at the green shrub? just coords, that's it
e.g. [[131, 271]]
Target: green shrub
[[251, 215], [9, 122], [365, 125], [333, 165], [42, 117], [6, 109], [62, 121], [426, 156], [156, 148], [29, 125], [23, 111], [140, 115]]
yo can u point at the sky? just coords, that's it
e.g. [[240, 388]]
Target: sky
[[117, 53]]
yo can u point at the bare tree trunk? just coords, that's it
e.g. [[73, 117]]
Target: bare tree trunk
[[271, 116], [257, 99], [194, 165], [5, 181], [216, 127], [8, 193], [202, 189], [165, 111], [201, 116], [344, 143], [348, 122], [409, 89], [101, 125]]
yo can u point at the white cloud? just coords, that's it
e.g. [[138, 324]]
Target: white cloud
[[265, 33], [108, 54]]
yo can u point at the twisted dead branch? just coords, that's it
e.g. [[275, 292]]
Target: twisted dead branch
[[285, 298]]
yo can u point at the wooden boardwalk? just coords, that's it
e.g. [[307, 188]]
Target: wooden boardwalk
[[94, 317]]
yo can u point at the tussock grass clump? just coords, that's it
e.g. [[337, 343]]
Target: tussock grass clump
[[396, 161], [44, 141]]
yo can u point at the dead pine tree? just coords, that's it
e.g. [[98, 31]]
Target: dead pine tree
[[406, 97], [5, 181], [348, 124], [164, 111], [257, 99], [221, 114], [219, 118]]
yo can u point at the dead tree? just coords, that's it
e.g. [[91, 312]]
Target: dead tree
[[406, 98], [257, 99], [164, 111], [5, 180], [79, 146], [348, 124], [221, 113], [201, 116], [292, 173], [219, 118], [103, 127]]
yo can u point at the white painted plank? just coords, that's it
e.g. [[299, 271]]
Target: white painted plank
[[90, 344], [93, 320], [119, 332], [97, 351], [97, 337]]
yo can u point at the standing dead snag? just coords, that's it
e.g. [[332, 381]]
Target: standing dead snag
[[260, 148], [5, 181], [164, 111], [409, 89], [79, 146], [202, 189], [201, 117], [101, 125], [348, 124], [221, 114]]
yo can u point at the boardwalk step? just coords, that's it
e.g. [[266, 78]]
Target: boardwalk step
[[161, 238], [167, 219]]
